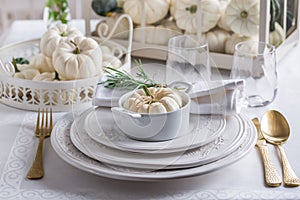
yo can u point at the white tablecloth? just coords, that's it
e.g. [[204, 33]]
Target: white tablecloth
[[241, 180]]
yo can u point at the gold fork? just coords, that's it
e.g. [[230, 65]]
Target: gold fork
[[43, 129]]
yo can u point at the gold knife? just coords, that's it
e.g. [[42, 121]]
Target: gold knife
[[272, 177]]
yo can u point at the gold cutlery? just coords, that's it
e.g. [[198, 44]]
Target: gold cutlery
[[276, 130], [43, 129], [272, 177]]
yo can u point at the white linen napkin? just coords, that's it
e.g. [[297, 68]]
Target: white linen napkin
[[107, 97], [214, 97], [217, 97]]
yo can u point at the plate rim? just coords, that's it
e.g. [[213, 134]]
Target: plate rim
[[173, 163], [165, 143], [99, 169]]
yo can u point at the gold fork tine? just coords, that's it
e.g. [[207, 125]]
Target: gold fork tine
[[37, 123], [51, 121], [46, 122], [43, 129]]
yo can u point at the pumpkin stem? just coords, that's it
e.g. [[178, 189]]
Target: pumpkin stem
[[56, 76], [192, 9], [64, 34], [14, 62], [244, 14], [77, 50]]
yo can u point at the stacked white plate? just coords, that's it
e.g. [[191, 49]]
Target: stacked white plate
[[92, 142]]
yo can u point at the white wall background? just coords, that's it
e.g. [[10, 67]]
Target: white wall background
[[11, 10]]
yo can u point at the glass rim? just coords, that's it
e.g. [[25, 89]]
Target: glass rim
[[271, 48], [203, 43]]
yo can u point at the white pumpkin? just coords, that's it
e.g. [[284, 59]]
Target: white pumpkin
[[55, 35], [106, 50], [172, 7], [242, 16], [185, 14], [42, 63], [216, 39], [233, 40], [111, 61], [78, 59], [277, 36], [155, 10], [162, 100], [157, 34], [222, 21], [45, 76], [25, 71]]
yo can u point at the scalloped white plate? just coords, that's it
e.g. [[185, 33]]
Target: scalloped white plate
[[101, 127], [60, 140], [225, 144]]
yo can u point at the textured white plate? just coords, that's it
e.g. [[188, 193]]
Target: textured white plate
[[100, 126], [60, 140], [230, 138]]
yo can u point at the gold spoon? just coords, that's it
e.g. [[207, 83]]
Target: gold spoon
[[276, 130]]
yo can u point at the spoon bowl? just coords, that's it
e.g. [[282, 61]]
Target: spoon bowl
[[276, 130], [275, 127]]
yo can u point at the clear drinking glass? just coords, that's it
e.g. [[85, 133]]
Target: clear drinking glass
[[187, 60], [255, 62]]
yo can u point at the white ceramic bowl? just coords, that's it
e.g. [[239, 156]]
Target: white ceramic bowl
[[153, 127]]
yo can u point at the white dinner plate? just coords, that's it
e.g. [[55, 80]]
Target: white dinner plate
[[60, 140], [230, 138], [100, 126]]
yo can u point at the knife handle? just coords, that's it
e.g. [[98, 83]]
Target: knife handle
[[272, 177]]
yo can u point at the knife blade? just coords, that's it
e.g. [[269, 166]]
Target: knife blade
[[272, 177]]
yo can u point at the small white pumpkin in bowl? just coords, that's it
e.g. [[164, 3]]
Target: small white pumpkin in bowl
[[42, 63], [158, 100], [78, 58], [25, 71], [45, 76], [157, 116], [52, 37]]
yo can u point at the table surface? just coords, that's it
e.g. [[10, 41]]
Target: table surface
[[241, 180]]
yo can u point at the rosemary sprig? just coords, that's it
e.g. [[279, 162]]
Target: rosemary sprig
[[124, 80]]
